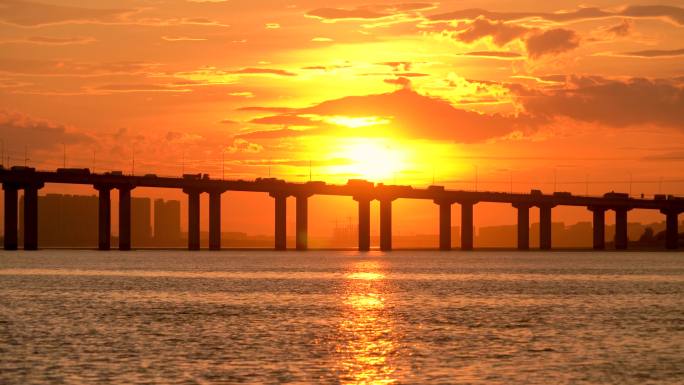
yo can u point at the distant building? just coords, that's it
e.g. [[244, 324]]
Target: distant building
[[64, 220], [497, 236], [167, 227], [141, 222]]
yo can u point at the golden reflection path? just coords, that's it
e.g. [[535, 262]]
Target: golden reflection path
[[367, 342]]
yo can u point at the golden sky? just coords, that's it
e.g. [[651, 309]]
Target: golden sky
[[523, 94]]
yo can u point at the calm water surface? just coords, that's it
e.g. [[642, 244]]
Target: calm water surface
[[175, 317]]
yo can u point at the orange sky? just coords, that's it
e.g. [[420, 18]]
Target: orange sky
[[520, 93]]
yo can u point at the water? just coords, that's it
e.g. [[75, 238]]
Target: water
[[78, 317]]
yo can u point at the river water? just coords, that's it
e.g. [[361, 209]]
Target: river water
[[333, 317]]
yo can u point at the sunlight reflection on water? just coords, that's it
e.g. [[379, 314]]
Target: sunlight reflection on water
[[366, 334]]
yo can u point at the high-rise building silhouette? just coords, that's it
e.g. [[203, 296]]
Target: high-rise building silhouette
[[64, 220], [167, 229], [141, 222]]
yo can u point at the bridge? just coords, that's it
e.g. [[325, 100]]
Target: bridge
[[30, 181]]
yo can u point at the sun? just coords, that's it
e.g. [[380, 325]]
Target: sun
[[373, 159]]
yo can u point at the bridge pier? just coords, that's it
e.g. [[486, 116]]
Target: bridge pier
[[545, 227], [280, 220], [215, 220], [467, 225], [11, 215], [523, 225], [193, 218], [302, 219], [671, 229], [386, 224], [31, 216], [444, 224], [104, 217], [599, 227], [364, 223], [124, 218], [621, 239]]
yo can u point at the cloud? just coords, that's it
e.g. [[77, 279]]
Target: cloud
[[505, 55], [142, 87], [264, 71], [624, 28], [538, 42], [410, 114], [30, 14], [551, 42], [371, 12], [74, 68], [47, 40], [182, 38], [285, 120], [21, 130], [243, 146], [346, 14], [500, 33], [611, 102], [655, 53], [669, 13]]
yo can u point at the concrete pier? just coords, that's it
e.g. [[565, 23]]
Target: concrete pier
[[621, 228], [104, 217], [31, 217], [444, 225], [302, 219], [215, 220], [467, 225], [386, 224], [523, 225], [545, 227], [364, 223], [280, 220], [599, 227], [671, 229], [124, 218], [193, 218], [11, 216]]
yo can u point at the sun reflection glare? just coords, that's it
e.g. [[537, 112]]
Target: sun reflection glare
[[366, 334]]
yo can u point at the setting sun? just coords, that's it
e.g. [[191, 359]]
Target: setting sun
[[376, 160]]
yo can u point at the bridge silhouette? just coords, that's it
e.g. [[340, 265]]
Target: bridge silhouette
[[30, 181]]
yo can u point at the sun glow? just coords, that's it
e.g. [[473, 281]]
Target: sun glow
[[356, 122], [373, 159]]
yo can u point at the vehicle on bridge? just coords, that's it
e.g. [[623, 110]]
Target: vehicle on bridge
[[562, 194], [616, 195], [22, 169], [73, 171], [192, 176]]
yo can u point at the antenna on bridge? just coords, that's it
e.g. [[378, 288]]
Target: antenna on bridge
[[586, 178], [660, 184], [475, 177], [26, 159], [64, 155], [555, 179], [183, 162], [223, 164], [133, 163], [93, 161]]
